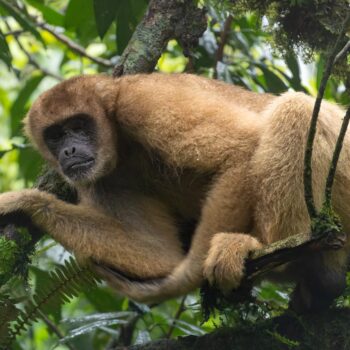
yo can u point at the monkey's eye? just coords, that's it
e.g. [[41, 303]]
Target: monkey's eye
[[76, 125], [54, 134], [77, 129]]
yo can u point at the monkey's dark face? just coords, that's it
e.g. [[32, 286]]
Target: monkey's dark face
[[73, 143]]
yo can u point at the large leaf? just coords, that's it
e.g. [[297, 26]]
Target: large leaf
[[18, 108], [30, 164], [50, 15], [104, 299], [129, 13], [5, 54], [21, 18], [274, 83], [80, 18], [105, 14], [293, 65]]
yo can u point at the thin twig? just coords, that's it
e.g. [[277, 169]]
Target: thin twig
[[223, 39], [14, 32], [74, 46], [54, 329], [34, 63], [336, 154], [30, 58], [308, 194], [127, 331], [343, 52], [179, 311], [65, 40]]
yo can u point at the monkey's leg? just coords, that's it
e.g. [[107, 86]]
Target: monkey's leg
[[280, 208], [93, 235]]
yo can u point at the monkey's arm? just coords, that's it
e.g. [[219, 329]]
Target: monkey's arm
[[93, 235], [219, 246]]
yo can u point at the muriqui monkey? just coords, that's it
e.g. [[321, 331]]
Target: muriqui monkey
[[150, 155]]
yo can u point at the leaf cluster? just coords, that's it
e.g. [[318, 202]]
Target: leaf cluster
[[306, 26]]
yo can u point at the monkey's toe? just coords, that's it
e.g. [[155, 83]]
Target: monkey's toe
[[224, 265]]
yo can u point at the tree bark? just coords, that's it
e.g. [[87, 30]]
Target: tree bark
[[164, 20], [326, 331]]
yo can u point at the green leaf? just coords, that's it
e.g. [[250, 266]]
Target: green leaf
[[50, 15], [18, 108], [187, 328], [83, 320], [293, 66], [124, 31], [90, 328], [129, 13], [105, 13], [5, 54], [142, 337], [21, 18], [104, 299], [64, 283], [41, 279], [80, 18], [30, 164], [274, 83]]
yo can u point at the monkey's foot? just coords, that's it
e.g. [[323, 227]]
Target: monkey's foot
[[224, 265]]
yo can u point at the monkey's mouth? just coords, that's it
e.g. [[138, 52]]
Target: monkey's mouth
[[78, 167], [80, 164]]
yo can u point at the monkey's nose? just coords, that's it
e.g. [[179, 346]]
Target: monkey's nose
[[69, 151]]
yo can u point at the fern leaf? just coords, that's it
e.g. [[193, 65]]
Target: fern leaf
[[65, 282]]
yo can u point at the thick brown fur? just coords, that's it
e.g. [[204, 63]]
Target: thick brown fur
[[176, 149]]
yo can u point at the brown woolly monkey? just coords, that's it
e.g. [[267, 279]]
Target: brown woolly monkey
[[161, 159]]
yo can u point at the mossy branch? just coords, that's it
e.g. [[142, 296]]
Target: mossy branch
[[309, 199], [164, 20], [334, 162], [326, 331]]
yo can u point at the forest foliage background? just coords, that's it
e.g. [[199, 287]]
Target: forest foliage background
[[45, 41]]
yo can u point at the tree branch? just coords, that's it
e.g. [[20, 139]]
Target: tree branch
[[164, 20], [326, 331], [223, 39], [336, 154], [55, 329], [177, 316]]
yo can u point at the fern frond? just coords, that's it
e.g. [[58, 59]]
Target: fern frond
[[8, 312], [65, 282]]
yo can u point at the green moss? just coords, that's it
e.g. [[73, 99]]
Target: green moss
[[305, 26], [326, 222], [14, 255], [8, 255]]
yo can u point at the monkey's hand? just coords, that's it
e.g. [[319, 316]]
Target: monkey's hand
[[224, 265], [17, 208]]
